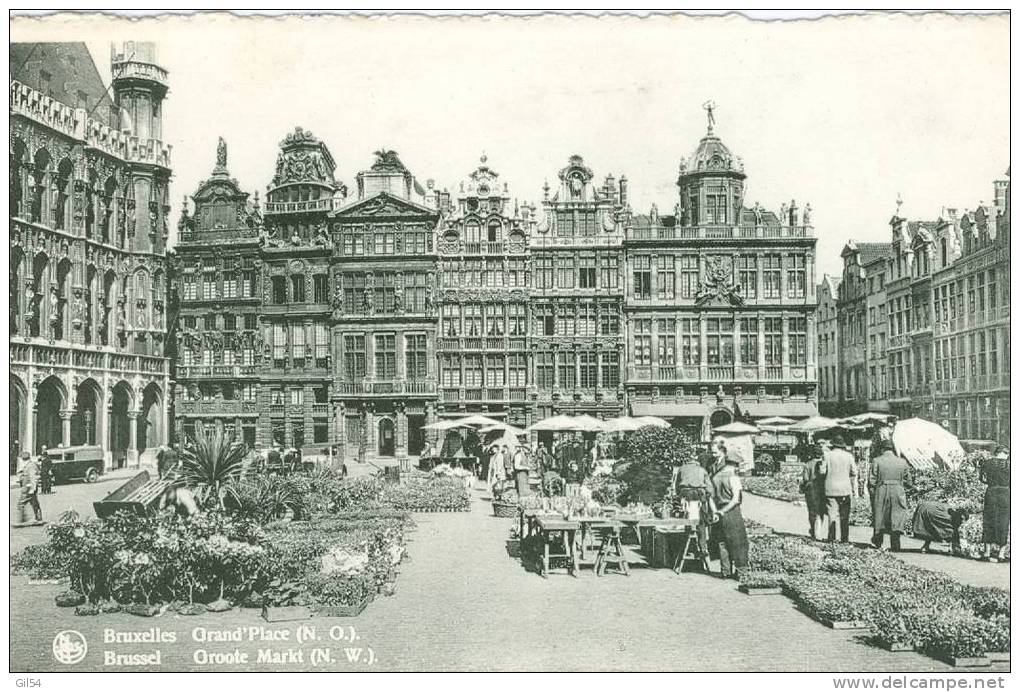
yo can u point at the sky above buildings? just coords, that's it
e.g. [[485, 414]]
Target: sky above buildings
[[847, 114]]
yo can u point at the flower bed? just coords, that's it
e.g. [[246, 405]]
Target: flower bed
[[435, 494], [906, 607], [240, 555], [782, 486]]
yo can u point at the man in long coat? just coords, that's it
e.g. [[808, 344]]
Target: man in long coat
[[890, 473]]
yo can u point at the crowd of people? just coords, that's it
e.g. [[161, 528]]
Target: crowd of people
[[830, 481]]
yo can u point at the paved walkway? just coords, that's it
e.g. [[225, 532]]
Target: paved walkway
[[790, 518], [463, 604]]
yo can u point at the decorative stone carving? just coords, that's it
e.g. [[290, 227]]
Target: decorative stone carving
[[718, 283]]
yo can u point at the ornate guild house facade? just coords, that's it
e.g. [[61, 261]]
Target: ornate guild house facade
[[720, 302], [349, 321], [88, 215]]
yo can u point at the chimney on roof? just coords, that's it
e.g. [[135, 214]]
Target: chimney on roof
[[1001, 191], [623, 191]]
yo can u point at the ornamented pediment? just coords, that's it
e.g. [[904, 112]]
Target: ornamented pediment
[[719, 288], [383, 205]]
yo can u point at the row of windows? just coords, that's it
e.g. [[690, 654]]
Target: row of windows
[[355, 356], [491, 371], [758, 341], [359, 241], [675, 276], [982, 293], [228, 322], [565, 371], [390, 293], [209, 286], [975, 354], [477, 319], [492, 273], [585, 271]]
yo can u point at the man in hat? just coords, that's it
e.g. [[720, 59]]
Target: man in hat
[[889, 474], [840, 483], [29, 480], [728, 537]]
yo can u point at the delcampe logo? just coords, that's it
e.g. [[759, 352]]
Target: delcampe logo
[[69, 647]]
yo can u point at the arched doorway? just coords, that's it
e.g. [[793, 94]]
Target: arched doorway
[[387, 438], [16, 431], [150, 422], [88, 399], [49, 401], [720, 416], [120, 431]]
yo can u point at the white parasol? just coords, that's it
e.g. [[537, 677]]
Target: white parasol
[[653, 421], [586, 423], [561, 423], [736, 428], [504, 427], [922, 443], [814, 424], [775, 421], [622, 424]]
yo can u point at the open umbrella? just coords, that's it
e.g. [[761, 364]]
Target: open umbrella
[[586, 423], [653, 421], [477, 421], [814, 424], [775, 421], [922, 443], [736, 428], [868, 417], [555, 423], [504, 427], [447, 424], [622, 424]]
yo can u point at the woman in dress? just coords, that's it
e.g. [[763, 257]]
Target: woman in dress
[[727, 521], [995, 473]]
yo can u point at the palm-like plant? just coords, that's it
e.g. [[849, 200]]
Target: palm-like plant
[[212, 465]]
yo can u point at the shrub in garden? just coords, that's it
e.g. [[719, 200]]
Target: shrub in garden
[[212, 466], [997, 637], [782, 486], [650, 453], [758, 579], [39, 562], [986, 601]]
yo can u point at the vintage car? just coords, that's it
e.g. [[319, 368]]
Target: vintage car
[[84, 462]]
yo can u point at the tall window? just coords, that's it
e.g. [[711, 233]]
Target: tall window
[[450, 370], [544, 272], [320, 288], [665, 281], [472, 232], [451, 320], [798, 340], [609, 271], [690, 341], [248, 284], [229, 322], [208, 291], [565, 315], [414, 292], [610, 369], [749, 340], [416, 356], [586, 272], [494, 274], [666, 337], [494, 319], [230, 284], [495, 229], [279, 345], [517, 273], [279, 289], [385, 293], [642, 278], [297, 396], [385, 241], [993, 297], [297, 283], [517, 319], [586, 319], [688, 276], [544, 373], [545, 320], [472, 319], [771, 266], [385, 357], [472, 371], [517, 367], [609, 320], [297, 345], [748, 276], [773, 340], [715, 209], [565, 272], [720, 340], [321, 345], [473, 272], [494, 375], [642, 342], [189, 289], [993, 353], [589, 369], [354, 357], [565, 363]]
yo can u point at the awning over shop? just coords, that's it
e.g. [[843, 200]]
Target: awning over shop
[[790, 409], [671, 410]]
